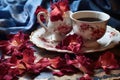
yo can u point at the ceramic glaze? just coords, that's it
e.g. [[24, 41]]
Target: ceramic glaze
[[57, 30], [90, 31]]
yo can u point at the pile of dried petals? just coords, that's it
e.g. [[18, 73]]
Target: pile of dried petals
[[71, 42], [17, 57], [107, 61], [21, 60]]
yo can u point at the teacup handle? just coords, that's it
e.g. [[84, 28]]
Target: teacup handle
[[39, 20]]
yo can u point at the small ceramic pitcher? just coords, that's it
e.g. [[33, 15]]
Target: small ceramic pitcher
[[55, 30]]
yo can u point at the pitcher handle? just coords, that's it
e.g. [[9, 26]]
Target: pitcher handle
[[39, 20]]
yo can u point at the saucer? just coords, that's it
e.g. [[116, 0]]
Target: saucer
[[110, 39]]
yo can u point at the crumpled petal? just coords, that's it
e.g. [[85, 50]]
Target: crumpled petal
[[107, 61], [58, 9], [15, 44], [55, 13], [71, 42], [83, 63], [64, 5], [37, 67], [60, 64]]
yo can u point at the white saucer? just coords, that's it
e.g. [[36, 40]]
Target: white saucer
[[109, 40]]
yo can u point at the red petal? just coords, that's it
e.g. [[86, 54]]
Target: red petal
[[8, 69], [15, 44], [107, 61], [28, 56], [71, 42], [68, 69], [55, 13], [40, 65], [8, 77], [55, 62], [64, 5], [61, 65], [83, 63], [6, 47], [58, 62]]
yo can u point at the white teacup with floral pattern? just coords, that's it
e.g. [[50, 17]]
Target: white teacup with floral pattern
[[91, 25]]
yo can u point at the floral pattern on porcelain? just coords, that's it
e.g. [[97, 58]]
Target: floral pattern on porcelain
[[90, 32], [57, 30]]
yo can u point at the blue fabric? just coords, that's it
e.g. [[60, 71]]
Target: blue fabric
[[18, 15]]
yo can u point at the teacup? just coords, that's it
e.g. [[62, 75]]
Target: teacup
[[91, 25], [55, 30]]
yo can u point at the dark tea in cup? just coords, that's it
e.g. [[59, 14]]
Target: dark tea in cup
[[89, 19]]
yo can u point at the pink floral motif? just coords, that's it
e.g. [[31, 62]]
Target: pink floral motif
[[112, 34], [85, 27], [44, 40], [97, 33], [63, 29]]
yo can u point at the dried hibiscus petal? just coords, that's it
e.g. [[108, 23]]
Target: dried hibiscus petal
[[69, 69], [83, 63], [28, 56], [6, 47], [15, 44], [9, 69], [19, 48], [55, 13], [60, 64], [71, 42], [17, 65], [107, 61], [58, 9], [55, 62], [37, 67], [64, 5]]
